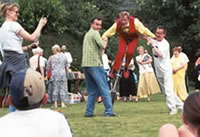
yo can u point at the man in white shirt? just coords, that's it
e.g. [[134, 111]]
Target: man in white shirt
[[163, 68], [27, 90]]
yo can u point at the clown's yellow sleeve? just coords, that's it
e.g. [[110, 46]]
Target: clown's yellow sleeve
[[142, 29], [111, 31]]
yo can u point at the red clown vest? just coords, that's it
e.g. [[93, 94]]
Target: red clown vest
[[128, 36]]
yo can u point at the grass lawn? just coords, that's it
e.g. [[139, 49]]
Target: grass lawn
[[141, 119]]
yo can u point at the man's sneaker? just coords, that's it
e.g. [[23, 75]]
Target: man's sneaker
[[173, 112], [89, 115], [111, 115]]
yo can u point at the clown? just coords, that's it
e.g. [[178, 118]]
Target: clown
[[129, 29]]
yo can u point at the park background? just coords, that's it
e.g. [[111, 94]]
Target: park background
[[69, 20]]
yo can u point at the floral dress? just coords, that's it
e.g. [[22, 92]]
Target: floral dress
[[57, 87]]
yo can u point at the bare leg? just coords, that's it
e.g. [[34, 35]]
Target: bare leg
[[148, 99], [130, 98], [137, 99], [63, 104], [55, 104], [125, 100]]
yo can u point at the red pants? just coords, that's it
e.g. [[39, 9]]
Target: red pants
[[123, 49]]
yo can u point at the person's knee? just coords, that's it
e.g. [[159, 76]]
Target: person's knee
[[168, 130]]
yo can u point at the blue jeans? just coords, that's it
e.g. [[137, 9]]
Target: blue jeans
[[97, 84]]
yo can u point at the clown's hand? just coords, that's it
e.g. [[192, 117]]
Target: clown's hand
[[150, 42], [105, 39]]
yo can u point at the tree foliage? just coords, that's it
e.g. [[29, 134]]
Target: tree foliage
[[32, 10], [72, 17], [109, 9], [180, 17], [80, 14], [82, 11]]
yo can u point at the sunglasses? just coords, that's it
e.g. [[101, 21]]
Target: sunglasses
[[17, 12]]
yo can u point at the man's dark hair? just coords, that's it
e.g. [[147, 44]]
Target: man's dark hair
[[98, 18], [163, 28]]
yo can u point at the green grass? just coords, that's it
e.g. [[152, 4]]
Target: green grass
[[141, 119]]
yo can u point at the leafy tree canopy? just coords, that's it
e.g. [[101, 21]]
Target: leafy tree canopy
[[180, 17], [32, 10]]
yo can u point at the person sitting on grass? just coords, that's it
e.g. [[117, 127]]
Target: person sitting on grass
[[27, 90], [191, 119]]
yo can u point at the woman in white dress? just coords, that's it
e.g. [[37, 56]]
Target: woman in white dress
[[148, 84]]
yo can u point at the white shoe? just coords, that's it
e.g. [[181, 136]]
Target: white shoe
[[173, 112]]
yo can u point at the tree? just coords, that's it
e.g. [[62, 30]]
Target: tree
[[109, 9], [82, 11], [80, 14], [180, 17], [32, 10]]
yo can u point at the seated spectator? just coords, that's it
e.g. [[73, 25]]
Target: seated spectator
[[191, 119], [28, 95]]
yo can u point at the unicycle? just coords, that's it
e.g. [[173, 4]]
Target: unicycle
[[113, 90]]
